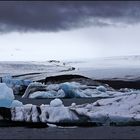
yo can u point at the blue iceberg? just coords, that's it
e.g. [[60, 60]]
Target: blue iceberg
[[69, 91]]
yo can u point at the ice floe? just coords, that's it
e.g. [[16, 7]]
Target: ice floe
[[16, 103], [73, 90], [56, 103], [7, 97], [118, 110], [33, 87], [16, 84], [101, 88], [65, 90]]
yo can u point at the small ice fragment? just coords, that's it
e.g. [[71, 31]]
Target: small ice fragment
[[73, 104], [101, 88], [56, 103]]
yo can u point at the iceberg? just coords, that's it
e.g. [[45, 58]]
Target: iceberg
[[66, 90], [47, 94], [69, 90], [16, 84], [16, 103], [7, 97], [56, 103], [33, 87], [101, 88], [123, 110], [73, 90]]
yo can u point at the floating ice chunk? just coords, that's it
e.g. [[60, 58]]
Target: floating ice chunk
[[6, 95], [44, 113], [119, 110], [101, 88], [81, 111], [17, 114], [88, 106], [80, 94], [6, 92], [48, 94], [33, 87], [26, 82], [61, 114], [5, 103], [53, 87], [41, 94], [73, 84], [11, 82], [51, 125], [27, 113], [72, 90], [102, 94], [57, 112], [69, 91], [16, 84], [61, 93], [16, 103], [56, 103], [35, 114], [125, 90], [73, 104]]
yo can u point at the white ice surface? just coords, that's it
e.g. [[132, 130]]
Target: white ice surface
[[119, 110]]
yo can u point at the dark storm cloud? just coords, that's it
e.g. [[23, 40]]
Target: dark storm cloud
[[56, 15]]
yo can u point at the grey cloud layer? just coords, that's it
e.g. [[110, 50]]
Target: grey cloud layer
[[56, 15]]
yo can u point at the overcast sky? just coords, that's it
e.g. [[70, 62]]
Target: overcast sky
[[68, 30]]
